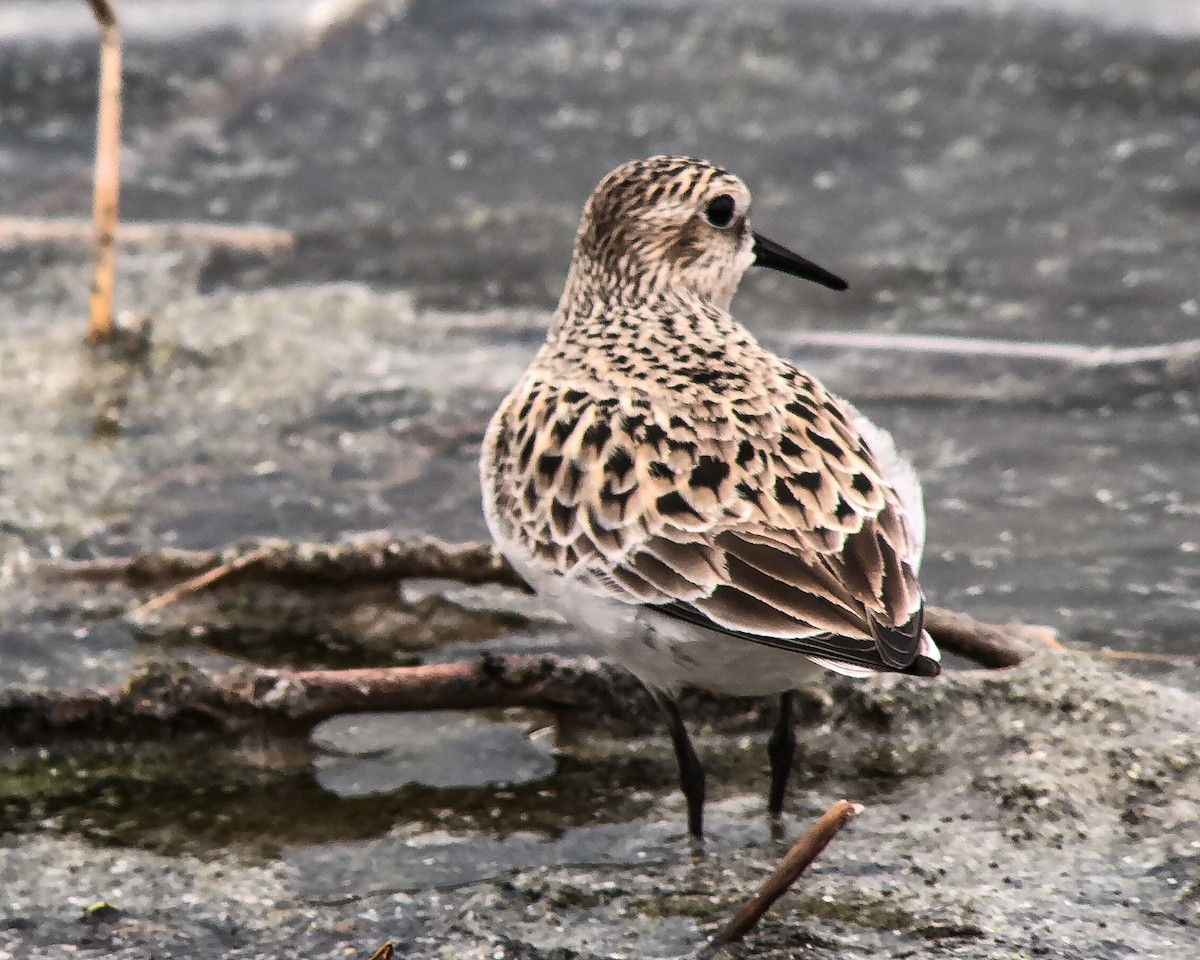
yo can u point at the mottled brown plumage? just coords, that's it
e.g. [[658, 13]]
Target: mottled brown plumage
[[702, 505]]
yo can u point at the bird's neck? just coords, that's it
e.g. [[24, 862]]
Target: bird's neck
[[618, 332], [615, 309]]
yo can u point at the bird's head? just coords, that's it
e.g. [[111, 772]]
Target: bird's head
[[678, 223]]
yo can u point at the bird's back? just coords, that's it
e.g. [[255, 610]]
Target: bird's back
[[714, 483]]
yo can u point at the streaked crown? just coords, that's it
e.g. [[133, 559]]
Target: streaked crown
[[666, 224]]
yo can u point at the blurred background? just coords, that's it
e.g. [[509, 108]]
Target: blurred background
[[1024, 172]]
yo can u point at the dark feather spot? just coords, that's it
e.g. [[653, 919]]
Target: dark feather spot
[[618, 502], [561, 430], [862, 483], [597, 435], [789, 448], [801, 408], [620, 463], [571, 482], [831, 447], [745, 453], [747, 492], [654, 434], [709, 472], [705, 377], [673, 504], [810, 480], [660, 471], [561, 517], [843, 509], [833, 411], [783, 493], [525, 454], [574, 396], [548, 464]]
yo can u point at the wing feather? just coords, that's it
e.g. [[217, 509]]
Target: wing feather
[[796, 535]]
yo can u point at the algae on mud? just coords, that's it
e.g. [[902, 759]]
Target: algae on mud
[[1037, 808]]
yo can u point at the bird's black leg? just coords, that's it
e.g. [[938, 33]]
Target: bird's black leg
[[781, 748], [691, 773]]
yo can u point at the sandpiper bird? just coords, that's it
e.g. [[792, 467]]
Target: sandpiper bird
[[711, 513]]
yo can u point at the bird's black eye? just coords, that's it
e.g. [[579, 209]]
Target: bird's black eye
[[719, 211]]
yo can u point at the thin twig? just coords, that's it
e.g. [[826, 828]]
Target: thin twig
[[1143, 656], [201, 582], [794, 863], [230, 236], [206, 112], [107, 174]]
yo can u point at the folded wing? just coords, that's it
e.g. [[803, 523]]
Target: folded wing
[[796, 525]]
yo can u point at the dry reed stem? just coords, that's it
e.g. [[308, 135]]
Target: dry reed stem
[[107, 174]]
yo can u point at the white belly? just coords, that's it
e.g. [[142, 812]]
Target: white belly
[[666, 653]]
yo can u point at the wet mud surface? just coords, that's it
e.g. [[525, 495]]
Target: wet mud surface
[[1020, 176], [1052, 813]]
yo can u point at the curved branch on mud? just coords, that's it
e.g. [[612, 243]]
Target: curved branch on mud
[[163, 701], [364, 559], [383, 558]]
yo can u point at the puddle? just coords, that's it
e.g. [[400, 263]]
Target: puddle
[[369, 754], [267, 798], [435, 860]]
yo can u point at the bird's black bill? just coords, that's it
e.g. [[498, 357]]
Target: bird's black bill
[[768, 253]]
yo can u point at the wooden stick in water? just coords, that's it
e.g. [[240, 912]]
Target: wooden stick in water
[[107, 174], [794, 863]]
